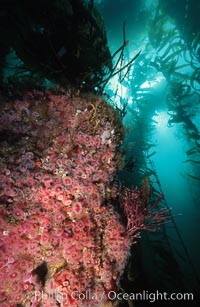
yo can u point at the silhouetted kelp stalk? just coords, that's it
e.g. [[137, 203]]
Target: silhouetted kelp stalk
[[177, 57], [120, 61], [140, 214], [171, 46]]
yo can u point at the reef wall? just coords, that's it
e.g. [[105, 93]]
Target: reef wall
[[60, 236]]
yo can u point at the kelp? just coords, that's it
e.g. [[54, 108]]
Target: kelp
[[193, 177], [192, 161], [195, 78], [169, 38], [151, 154], [192, 151], [119, 62]]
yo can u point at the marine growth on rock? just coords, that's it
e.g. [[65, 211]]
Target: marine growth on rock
[[60, 237]]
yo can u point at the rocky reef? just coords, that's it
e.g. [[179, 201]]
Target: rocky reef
[[60, 236]]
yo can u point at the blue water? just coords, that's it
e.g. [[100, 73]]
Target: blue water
[[178, 188], [181, 191]]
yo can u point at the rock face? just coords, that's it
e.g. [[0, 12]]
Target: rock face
[[61, 240], [61, 40]]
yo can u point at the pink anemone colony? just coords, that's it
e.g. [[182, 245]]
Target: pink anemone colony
[[60, 236]]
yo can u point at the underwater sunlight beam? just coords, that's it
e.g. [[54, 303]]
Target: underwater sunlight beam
[[160, 119], [152, 83]]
